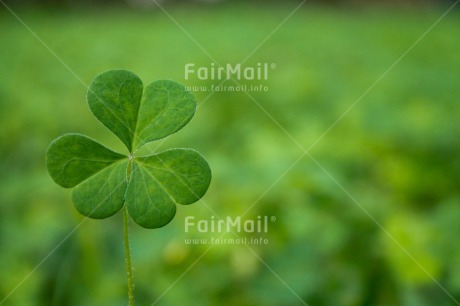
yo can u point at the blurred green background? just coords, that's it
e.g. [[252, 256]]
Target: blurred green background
[[396, 154]]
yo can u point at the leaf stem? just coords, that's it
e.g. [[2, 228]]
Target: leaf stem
[[129, 267]]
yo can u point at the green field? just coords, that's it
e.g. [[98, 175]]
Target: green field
[[370, 218]]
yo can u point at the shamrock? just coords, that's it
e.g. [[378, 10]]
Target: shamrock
[[149, 186]]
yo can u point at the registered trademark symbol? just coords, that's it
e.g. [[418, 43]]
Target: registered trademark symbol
[[272, 218], [273, 66]]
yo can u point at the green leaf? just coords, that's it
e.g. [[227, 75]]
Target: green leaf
[[166, 107], [72, 158], [102, 195], [159, 181], [151, 186], [114, 98]]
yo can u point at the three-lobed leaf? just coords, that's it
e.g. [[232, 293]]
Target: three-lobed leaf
[[151, 185]]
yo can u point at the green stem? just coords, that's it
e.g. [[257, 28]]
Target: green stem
[[129, 267]]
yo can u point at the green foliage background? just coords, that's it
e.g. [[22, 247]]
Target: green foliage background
[[396, 153]]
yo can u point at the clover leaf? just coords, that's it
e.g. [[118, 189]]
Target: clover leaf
[[149, 186]]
